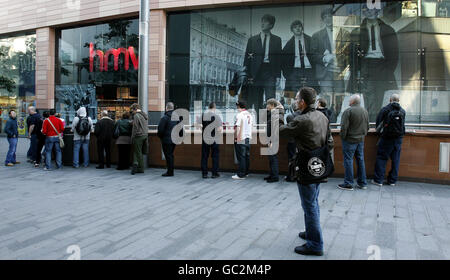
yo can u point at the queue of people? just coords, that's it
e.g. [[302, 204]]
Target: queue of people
[[310, 145]]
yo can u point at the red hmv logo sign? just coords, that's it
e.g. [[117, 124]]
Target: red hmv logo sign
[[103, 58]]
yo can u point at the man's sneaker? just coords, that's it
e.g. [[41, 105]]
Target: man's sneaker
[[345, 187], [303, 250], [362, 187], [373, 182], [9, 164], [214, 176], [47, 169], [37, 165], [267, 178], [272, 180], [17, 162], [205, 176], [390, 184], [236, 177]]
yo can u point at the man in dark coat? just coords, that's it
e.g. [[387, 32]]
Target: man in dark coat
[[263, 65], [375, 58], [12, 137], [165, 128], [296, 62], [104, 130]]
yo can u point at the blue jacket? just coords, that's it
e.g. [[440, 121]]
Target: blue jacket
[[11, 128]]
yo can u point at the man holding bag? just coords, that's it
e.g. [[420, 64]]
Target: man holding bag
[[52, 129], [312, 135]]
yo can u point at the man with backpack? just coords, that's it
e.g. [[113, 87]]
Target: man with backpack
[[391, 127], [52, 128], [81, 128]]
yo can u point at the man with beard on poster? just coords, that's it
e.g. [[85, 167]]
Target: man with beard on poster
[[331, 48], [374, 59], [263, 65], [296, 61]]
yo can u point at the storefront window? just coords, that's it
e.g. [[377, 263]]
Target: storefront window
[[97, 67], [17, 78], [339, 49]]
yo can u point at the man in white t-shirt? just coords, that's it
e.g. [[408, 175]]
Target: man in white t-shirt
[[242, 135]]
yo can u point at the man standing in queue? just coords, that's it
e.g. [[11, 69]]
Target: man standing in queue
[[311, 131]]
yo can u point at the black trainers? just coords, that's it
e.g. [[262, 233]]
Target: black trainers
[[303, 250], [217, 175], [205, 176], [362, 187], [272, 180], [345, 187], [134, 169]]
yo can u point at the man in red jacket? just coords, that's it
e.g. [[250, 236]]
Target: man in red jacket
[[52, 128]]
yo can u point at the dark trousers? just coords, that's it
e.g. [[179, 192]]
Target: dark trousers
[[377, 79], [291, 149], [388, 148], [273, 165], [168, 150], [40, 145], [214, 148], [263, 84], [299, 77], [243, 157], [33, 147], [124, 156], [309, 196], [104, 148]]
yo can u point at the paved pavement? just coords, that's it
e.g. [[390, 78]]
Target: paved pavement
[[110, 214]]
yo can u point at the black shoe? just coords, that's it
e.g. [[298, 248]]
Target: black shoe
[[272, 180], [302, 235], [108, 166], [345, 187], [217, 175], [167, 175], [289, 179], [134, 169], [205, 176], [303, 250], [267, 178], [100, 167]]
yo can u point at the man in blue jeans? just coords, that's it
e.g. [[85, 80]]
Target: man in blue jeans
[[12, 137], [311, 131], [52, 128], [354, 127], [392, 119], [81, 128]]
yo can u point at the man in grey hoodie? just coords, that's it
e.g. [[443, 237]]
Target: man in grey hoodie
[[139, 138], [81, 128]]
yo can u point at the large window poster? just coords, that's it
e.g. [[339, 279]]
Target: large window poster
[[257, 53]]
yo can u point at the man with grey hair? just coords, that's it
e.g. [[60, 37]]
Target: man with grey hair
[[391, 127], [354, 127], [139, 138], [104, 130]]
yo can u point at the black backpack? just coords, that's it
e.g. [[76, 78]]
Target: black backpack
[[393, 124], [83, 127]]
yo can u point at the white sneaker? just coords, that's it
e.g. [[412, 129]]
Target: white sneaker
[[236, 177], [375, 183]]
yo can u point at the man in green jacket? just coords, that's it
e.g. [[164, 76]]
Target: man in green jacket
[[139, 138], [354, 127]]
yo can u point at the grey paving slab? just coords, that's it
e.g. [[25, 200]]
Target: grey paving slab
[[113, 215]]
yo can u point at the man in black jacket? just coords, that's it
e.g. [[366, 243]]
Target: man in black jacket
[[165, 128], [311, 131], [296, 61], [209, 143], [375, 58], [263, 65], [104, 130], [392, 119]]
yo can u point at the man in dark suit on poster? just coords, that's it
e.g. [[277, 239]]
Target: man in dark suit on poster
[[373, 61], [296, 61], [331, 48], [262, 64]]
